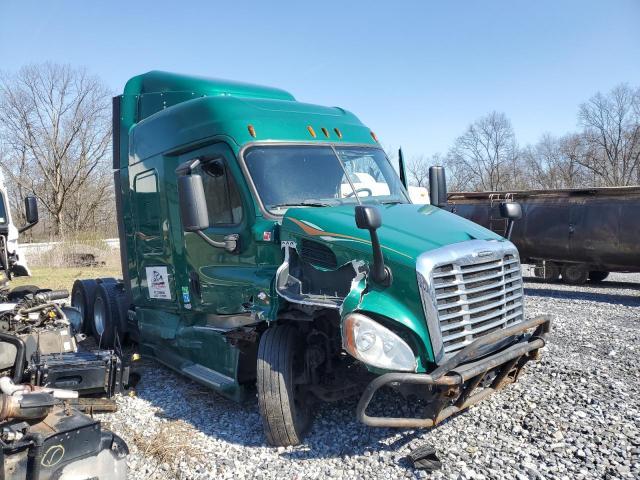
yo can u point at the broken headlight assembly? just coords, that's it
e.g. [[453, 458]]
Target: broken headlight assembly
[[376, 345]]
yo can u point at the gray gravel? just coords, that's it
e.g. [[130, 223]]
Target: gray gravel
[[574, 415]]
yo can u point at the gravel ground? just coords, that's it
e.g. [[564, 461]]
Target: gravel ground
[[573, 415]]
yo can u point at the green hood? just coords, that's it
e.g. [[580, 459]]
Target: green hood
[[407, 230]]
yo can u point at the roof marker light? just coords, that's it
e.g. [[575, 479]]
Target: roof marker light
[[373, 135], [338, 132], [311, 131], [252, 131], [325, 131]]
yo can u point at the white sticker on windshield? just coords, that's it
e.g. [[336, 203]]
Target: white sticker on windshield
[[158, 283]]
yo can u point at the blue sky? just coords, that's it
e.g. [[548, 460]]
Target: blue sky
[[416, 72]]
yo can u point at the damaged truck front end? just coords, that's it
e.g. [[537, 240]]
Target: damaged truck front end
[[447, 327]]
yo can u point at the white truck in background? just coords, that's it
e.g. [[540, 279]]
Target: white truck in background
[[12, 262], [365, 182]]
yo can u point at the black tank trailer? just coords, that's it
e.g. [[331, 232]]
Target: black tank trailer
[[573, 234]]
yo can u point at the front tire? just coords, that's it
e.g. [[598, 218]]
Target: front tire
[[283, 404]]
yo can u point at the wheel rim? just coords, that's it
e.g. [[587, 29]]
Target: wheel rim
[[99, 316]]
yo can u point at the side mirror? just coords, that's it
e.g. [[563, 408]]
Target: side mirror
[[193, 203], [31, 210], [193, 207], [368, 218], [30, 213], [438, 186], [511, 211]]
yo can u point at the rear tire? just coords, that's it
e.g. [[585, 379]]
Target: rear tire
[[83, 295], [283, 405], [597, 276], [574, 274], [104, 322], [547, 271]]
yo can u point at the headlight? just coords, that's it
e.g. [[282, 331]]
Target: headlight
[[375, 345]]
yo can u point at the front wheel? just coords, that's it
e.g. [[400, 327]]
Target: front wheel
[[282, 402]]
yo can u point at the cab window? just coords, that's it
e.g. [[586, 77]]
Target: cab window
[[223, 198]]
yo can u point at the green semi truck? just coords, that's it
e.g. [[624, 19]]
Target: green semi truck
[[255, 257]]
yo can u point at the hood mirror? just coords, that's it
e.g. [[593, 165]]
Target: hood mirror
[[368, 218], [437, 186], [511, 211]]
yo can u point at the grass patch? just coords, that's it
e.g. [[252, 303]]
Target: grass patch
[[57, 278]]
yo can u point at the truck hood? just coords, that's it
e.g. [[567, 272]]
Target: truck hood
[[407, 230]]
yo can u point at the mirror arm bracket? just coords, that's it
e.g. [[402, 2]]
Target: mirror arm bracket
[[26, 227], [231, 242]]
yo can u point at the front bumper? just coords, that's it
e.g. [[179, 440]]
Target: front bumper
[[458, 377]]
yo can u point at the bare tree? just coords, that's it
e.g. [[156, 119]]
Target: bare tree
[[554, 162], [418, 171], [612, 135], [55, 122], [485, 156]]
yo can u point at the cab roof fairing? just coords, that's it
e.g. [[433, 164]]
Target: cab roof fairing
[[166, 111]]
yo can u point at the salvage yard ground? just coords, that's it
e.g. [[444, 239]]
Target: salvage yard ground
[[574, 415]]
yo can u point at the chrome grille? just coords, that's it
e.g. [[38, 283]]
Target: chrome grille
[[468, 290]]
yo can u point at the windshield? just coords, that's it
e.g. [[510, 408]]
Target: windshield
[[3, 210], [319, 175]]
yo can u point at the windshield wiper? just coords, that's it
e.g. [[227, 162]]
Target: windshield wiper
[[300, 204], [393, 202]]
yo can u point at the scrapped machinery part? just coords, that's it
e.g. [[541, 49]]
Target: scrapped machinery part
[[93, 405], [284, 411], [597, 276], [465, 376], [65, 444], [574, 273], [549, 271], [32, 406], [19, 365], [18, 293], [83, 296], [8, 387], [105, 320], [425, 458]]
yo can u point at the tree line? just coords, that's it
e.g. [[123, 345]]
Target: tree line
[[55, 143], [605, 152]]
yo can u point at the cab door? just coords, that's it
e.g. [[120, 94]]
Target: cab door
[[217, 286]]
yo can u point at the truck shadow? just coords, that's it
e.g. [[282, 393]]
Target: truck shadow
[[334, 433], [631, 300]]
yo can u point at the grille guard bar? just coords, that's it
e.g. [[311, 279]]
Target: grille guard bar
[[455, 372]]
